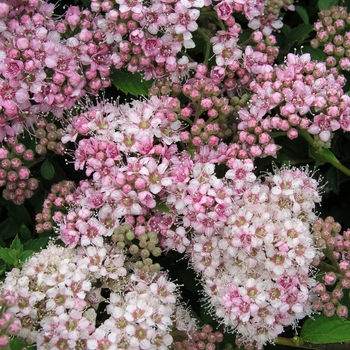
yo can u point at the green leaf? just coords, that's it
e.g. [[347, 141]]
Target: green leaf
[[299, 34], [14, 254], [316, 54], [302, 13], [36, 244], [325, 330], [162, 208], [6, 256], [332, 179], [9, 228], [19, 344], [18, 213], [326, 4], [324, 155], [16, 244], [130, 83], [25, 233], [25, 255], [47, 170]]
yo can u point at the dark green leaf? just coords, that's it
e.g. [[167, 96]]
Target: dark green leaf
[[47, 170], [299, 34], [316, 54], [326, 4], [324, 155], [302, 13], [131, 83], [162, 207], [325, 330], [36, 244], [6, 256], [25, 233], [16, 244], [14, 254], [18, 213], [9, 228], [332, 179], [19, 344], [188, 277], [286, 29], [25, 255]]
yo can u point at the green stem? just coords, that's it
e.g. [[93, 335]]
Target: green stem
[[327, 267], [329, 254], [324, 154], [340, 167], [207, 45]]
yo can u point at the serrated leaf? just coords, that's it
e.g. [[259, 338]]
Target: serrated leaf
[[326, 4], [299, 33], [19, 344], [316, 54], [36, 244], [47, 170], [286, 29], [16, 244], [6, 256], [18, 213], [14, 254], [9, 228], [131, 83], [162, 208], [25, 255], [302, 13], [25, 233], [325, 330]]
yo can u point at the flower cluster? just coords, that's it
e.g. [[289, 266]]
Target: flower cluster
[[57, 293], [14, 172], [17, 158], [333, 38], [335, 261], [171, 172], [218, 222], [40, 70], [255, 258], [296, 88], [201, 339], [54, 206], [8, 325]]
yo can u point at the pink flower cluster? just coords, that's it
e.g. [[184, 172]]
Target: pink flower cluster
[[256, 268], [56, 300], [332, 38], [14, 173], [219, 222], [336, 281], [8, 325], [293, 90], [134, 29], [39, 71]]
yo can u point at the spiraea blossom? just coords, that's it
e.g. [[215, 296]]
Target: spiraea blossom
[[55, 297], [256, 269], [170, 175]]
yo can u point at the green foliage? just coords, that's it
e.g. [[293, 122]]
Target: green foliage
[[130, 83], [326, 4], [303, 14], [19, 344], [325, 330], [47, 170], [15, 255]]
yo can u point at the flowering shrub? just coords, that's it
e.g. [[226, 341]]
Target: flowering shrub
[[162, 169]]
